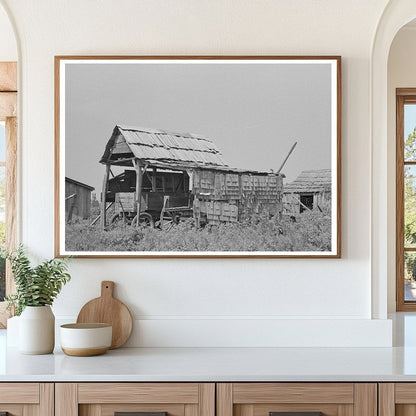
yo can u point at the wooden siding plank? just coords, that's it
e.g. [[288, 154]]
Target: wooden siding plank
[[138, 393], [8, 105], [341, 393], [8, 76]]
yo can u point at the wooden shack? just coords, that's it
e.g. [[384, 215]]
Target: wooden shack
[[311, 190], [181, 174], [77, 200]]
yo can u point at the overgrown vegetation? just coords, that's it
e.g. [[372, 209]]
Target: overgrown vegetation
[[311, 231]]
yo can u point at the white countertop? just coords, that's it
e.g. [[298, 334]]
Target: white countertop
[[215, 364], [221, 364]]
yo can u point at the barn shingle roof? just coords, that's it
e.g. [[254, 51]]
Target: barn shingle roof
[[150, 145], [310, 181]]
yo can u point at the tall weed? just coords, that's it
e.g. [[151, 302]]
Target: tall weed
[[311, 231]]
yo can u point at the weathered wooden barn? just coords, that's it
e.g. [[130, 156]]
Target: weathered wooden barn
[[309, 191], [77, 200], [177, 175]]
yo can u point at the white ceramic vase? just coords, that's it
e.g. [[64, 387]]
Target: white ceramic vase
[[37, 330]]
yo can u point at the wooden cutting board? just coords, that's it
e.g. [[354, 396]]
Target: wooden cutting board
[[108, 310]]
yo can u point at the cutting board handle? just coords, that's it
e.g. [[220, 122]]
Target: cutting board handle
[[107, 288]]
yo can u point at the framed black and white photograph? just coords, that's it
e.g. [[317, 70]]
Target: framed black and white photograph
[[198, 156]]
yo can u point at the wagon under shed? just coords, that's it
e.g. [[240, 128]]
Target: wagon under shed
[[162, 175]]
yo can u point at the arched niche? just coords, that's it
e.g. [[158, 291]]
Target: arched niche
[[396, 15]]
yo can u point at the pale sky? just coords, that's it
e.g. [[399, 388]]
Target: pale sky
[[253, 112], [409, 119]]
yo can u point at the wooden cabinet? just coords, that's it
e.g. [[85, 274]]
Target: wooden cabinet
[[208, 399], [106, 399], [397, 399], [297, 399], [27, 399]]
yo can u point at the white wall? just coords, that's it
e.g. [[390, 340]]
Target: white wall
[[401, 74], [8, 47], [203, 302]]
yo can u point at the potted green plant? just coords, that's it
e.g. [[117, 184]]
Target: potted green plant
[[36, 289]]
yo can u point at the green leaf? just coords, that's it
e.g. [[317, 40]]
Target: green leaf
[[35, 286]]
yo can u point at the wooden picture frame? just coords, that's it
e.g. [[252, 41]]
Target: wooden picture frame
[[258, 177]]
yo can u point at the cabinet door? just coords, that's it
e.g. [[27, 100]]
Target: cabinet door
[[297, 399], [26, 399], [142, 399], [397, 399]]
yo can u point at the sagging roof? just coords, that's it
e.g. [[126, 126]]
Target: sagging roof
[[310, 181], [150, 145], [167, 150], [83, 185]]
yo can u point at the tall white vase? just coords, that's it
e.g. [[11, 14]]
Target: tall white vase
[[37, 330]]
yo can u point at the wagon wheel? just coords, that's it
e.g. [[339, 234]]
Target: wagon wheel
[[145, 219], [169, 220], [119, 219]]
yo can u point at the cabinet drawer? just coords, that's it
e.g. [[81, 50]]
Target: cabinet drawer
[[296, 399], [21, 399], [138, 393], [146, 399]]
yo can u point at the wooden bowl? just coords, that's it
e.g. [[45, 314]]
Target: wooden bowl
[[84, 340]]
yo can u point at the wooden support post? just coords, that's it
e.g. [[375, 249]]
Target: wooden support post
[[154, 180], [139, 181], [104, 196]]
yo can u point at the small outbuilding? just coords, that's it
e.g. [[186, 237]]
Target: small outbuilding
[[311, 190], [77, 200]]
